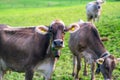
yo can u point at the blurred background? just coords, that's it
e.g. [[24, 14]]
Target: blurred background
[[41, 3]]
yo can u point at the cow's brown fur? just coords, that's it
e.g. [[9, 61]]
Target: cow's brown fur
[[2, 26], [25, 50], [84, 43]]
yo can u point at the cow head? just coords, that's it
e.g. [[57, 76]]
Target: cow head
[[98, 5], [57, 30], [107, 65]]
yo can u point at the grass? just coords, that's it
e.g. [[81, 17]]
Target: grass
[[108, 26], [38, 3]]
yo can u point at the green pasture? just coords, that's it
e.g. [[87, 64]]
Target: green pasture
[[30, 15], [40, 3]]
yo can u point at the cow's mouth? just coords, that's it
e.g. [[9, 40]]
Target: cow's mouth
[[56, 52], [58, 47]]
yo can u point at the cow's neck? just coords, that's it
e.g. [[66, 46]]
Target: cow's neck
[[50, 52], [98, 48], [49, 62], [53, 52], [47, 67], [95, 43], [44, 42]]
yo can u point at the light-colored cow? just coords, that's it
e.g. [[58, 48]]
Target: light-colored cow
[[93, 10]]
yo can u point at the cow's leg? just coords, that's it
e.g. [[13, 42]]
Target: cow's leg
[[98, 15], [93, 66], [1, 74], [93, 19], [98, 69], [74, 66], [29, 75], [3, 68], [78, 67], [48, 76], [98, 18], [89, 18], [85, 68]]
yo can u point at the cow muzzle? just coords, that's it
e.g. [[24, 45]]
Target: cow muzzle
[[58, 43]]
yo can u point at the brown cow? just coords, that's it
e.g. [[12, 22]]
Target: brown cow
[[2, 26], [30, 49], [85, 42]]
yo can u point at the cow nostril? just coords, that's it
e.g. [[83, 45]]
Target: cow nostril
[[55, 43], [98, 7], [58, 43], [61, 42]]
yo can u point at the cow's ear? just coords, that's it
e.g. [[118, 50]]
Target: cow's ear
[[73, 28], [42, 29], [100, 60]]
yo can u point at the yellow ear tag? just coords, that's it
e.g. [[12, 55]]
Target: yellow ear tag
[[72, 28], [100, 61], [43, 31]]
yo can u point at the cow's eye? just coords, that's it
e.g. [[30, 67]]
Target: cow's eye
[[53, 32], [63, 32]]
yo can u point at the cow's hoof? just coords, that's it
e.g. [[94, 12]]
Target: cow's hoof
[[76, 78], [92, 79], [81, 79], [73, 74]]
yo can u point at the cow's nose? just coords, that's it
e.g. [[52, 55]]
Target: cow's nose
[[58, 43], [98, 7]]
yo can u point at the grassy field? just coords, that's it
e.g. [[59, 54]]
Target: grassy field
[[38, 3], [109, 26]]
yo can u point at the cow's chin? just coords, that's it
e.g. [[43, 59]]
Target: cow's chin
[[58, 47]]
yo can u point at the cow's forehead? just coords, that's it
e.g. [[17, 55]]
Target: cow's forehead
[[58, 22]]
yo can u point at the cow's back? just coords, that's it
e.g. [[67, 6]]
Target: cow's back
[[78, 39], [19, 47], [2, 26]]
